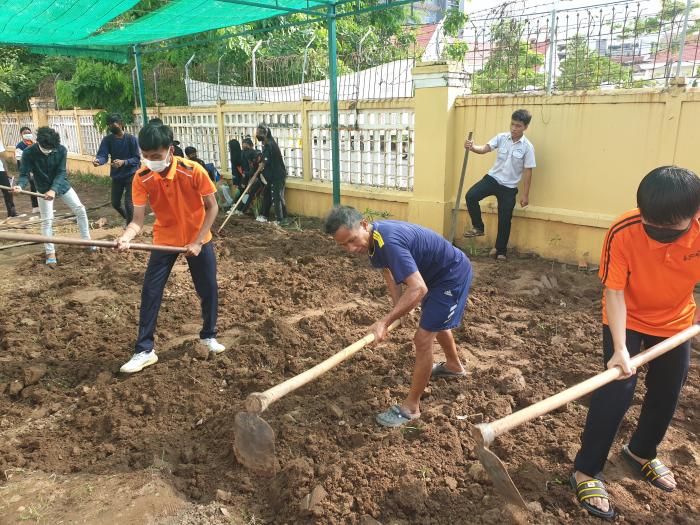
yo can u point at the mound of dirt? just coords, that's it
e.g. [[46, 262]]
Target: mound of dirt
[[290, 299]]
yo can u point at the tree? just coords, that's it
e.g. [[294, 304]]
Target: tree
[[453, 24], [21, 73], [512, 65], [586, 69], [98, 85]]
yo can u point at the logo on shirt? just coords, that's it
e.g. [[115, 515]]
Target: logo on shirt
[[378, 237], [691, 256], [448, 293]]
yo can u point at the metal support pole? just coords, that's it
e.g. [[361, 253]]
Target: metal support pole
[[142, 89], [552, 49], [255, 71], [133, 83], [333, 80], [683, 33]]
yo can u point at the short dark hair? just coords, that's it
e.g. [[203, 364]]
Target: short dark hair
[[156, 121], [190, 149], [668, 195], [24, 128], [341, 216], [154, 136], [115, 117], [522, 115], [248, 141], [47, 137]]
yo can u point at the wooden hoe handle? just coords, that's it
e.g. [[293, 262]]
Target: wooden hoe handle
[[485, 433], [259, 401], [24, 192], [235, 206], [87, 242]]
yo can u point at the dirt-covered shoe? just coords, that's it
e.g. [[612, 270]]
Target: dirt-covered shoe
[[213, 345], [138, 362]]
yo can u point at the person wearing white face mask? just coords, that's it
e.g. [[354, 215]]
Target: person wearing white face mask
[[27, 141], [7, 194], [47, 161], [183, 198]]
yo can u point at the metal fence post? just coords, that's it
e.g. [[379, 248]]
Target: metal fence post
[[683, 33], [306, 62], [255, 72], [187, 78], [552, 49]]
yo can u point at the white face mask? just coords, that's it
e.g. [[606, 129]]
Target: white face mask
[[28, 136], [45, 151], [157, 165]]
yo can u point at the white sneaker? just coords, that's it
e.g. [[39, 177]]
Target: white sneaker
[[138, 362], [213, 345], [260, 218], [36, 210]]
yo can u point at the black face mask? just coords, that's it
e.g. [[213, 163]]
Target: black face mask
[[665, 235], [260, 138], [114, 130]]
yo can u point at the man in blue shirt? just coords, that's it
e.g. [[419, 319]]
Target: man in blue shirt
[[123, 149], [436, 275]]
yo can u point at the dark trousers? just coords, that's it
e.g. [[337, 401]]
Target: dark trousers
[[203, 271], [664, 379], [256, 189], [123, 187], [274, 198], [32, 186], [506, 202], [7, 195]]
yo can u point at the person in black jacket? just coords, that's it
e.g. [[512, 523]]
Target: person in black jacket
[[273, 174]]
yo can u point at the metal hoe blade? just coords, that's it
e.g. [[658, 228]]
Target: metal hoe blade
[[254, 443], [499, 475]]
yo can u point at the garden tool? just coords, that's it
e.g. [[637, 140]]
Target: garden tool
[[458, 201], [485, 433], [254, 439], [24, 192], [235, 206], [4, 236]]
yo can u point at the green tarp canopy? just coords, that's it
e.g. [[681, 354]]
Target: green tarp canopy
[[87, 27]]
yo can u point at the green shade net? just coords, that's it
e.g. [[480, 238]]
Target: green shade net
[[187, 17], [72, 27], [51, 22]]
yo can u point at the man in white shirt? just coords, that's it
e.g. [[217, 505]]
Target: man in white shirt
[[4, 181], [515, 160]]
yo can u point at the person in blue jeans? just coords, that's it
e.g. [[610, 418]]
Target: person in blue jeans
[[125, 158], [514, 161], [436, 276]]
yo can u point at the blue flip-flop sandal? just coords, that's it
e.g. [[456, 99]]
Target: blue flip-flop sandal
[[394, 417]]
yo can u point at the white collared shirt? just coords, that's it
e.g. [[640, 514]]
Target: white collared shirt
[[511, 159]]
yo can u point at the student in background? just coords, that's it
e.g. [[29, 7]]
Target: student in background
[[122, 150], [7, 194], [27, 140]]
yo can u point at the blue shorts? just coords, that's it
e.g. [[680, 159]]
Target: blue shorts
[[443, 308]]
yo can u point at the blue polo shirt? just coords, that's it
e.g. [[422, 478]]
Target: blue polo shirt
[[406, 248]]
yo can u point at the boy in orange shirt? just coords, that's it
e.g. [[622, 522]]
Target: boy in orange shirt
[[182, 197], [649, 267]]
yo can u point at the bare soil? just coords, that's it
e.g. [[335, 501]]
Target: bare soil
[[80, 443]]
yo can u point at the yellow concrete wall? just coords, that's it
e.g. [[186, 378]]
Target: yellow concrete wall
[[592, 150]]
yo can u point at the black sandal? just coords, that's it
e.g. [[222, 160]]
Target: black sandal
[[653, 470], [591, 488]]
